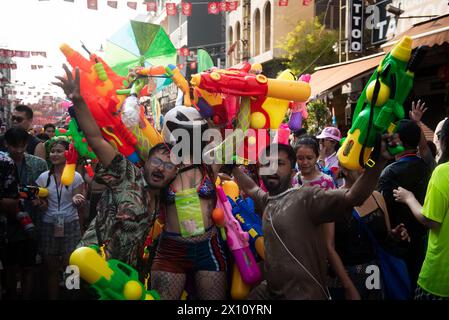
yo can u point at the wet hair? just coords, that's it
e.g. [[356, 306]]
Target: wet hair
[[444, 142], [281, 148], [49, 125], [16, 136], [310, 142], [23, 108]]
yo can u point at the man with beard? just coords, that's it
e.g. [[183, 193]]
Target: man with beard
[[131, 200], [295, 265]]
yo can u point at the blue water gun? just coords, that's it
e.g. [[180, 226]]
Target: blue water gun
[[243, 210]]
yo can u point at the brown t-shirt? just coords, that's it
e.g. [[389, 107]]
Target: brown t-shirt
[[297, 215]]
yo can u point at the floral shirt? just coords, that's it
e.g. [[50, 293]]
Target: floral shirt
[[123, 221], [8, 176], [323, 181]]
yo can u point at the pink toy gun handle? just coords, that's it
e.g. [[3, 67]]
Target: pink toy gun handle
[[238, 243]]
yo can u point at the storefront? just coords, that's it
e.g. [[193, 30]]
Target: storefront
[[341, 84]]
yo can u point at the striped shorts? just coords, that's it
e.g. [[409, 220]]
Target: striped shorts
[[60, 246], [176, 254]]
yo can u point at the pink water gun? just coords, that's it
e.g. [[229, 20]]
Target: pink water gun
[[238, 242]]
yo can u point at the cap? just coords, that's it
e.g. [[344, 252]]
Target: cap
[[330, 133]]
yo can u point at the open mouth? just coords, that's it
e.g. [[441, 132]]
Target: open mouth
[[157, 176]]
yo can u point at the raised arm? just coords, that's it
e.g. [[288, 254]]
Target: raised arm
[[366, 183], [245, 183], [71, 86], [403, 195], [416, 114]]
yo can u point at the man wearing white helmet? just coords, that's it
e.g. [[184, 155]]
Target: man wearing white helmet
[[189, 243]]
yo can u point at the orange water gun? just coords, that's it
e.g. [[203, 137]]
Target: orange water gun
[[98, 88]]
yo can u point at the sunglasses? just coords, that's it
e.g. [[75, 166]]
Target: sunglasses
[[17, 119], [156, 162]]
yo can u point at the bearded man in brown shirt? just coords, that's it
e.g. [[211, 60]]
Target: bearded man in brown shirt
[[295, 264]]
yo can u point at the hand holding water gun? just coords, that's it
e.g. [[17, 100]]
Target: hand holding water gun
[[113, 279], [237, 241], [380, 105], [32, 192], [98, 85], [243, 211], [77, 136]]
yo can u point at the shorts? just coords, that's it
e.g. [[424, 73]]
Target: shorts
[[421, 294], [22, 253], [60, 246], [176, 254]]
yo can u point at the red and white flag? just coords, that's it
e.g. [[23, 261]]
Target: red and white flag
[[213, 8], [112, 4], [132, 5], [170, 8], [152, 6], [283, 3], [223, 6], [186, 8], [232, 5], [92, 4]]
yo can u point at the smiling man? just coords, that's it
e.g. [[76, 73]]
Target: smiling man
[[126, 208]]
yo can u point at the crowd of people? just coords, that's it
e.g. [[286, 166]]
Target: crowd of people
[[158, 219]]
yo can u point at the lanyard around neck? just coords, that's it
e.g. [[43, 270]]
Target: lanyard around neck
[[58, 192]]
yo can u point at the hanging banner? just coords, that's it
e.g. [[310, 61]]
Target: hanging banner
[[223, 7], [151, 6], [132, 5], [232, 5], [171, 9], [112, 4], [92, 4], [186, 9], [356, 26], [212, 8]]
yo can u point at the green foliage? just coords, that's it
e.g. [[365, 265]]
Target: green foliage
[[309, 45], [319, 117]]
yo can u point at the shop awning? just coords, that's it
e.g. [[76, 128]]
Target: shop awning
[[430, 33], [328, 77]]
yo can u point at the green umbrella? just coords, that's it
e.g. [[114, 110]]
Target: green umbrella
[[139, 44], [204, 60]]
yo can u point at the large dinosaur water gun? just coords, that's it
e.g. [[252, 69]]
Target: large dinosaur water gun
[[239, 82], [98, 88], [380, 105], [112, 279], [238, 242]]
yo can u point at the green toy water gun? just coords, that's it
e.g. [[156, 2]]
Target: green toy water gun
[[380, 105], [77, 136], [112, 279]]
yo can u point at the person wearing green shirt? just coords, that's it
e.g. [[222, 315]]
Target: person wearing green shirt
[[433, 281]]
